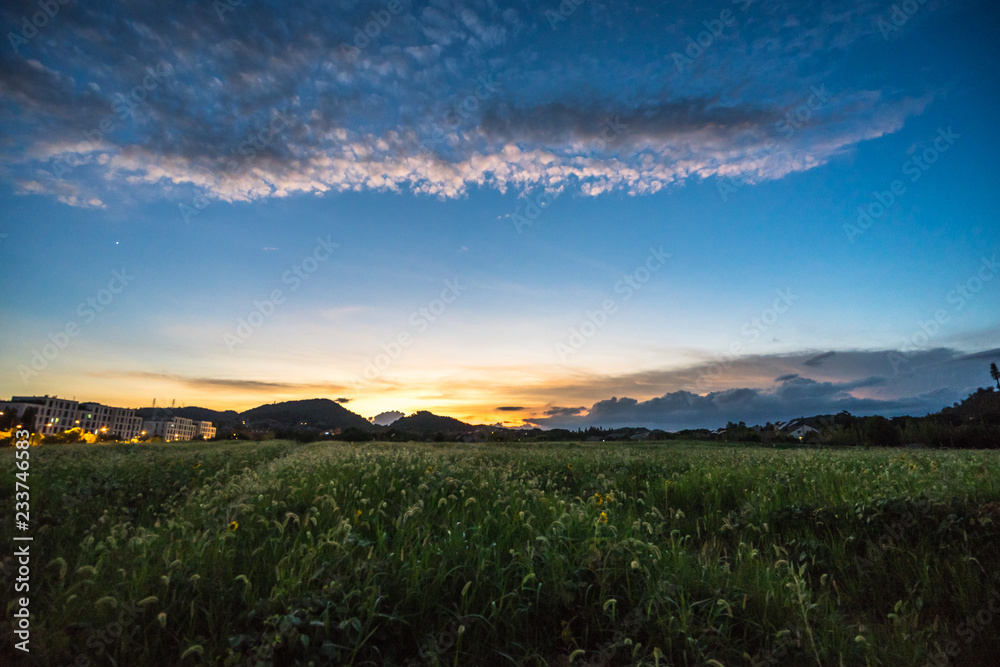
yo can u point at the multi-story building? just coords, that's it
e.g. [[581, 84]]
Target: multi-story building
[[204, 430], [55, 415], [17, 408], [171, 430], [97, 418]]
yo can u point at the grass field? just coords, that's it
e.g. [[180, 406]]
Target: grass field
[[390, 554]]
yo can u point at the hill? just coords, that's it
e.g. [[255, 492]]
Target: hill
[[315, 414], [982, 406], [426, 422], [193, 413]]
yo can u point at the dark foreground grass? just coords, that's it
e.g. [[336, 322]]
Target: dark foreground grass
[[585, 554]]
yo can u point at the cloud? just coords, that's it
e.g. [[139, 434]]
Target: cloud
[[795, 398], [818, 359], [343, 400], [249, 386], [387, 418], [265, 102], [564, 412], [67, 193], [508, 408], [988, 355], [886, 382]]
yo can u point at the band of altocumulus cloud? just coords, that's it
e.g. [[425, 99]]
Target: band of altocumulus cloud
[[447, 96]]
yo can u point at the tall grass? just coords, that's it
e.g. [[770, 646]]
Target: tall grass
[[658, 554]]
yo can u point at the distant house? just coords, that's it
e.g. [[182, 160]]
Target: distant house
[[204, 430], [802, 431]]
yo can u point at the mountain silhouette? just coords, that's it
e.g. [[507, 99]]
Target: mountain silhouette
[[313, 414]]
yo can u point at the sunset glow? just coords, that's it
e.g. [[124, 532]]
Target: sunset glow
[[484, 208]]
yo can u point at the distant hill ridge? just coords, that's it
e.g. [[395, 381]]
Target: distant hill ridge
[[323, 414], [193, 413], [314, 413], [426, 421]]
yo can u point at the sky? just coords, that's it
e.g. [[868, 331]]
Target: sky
[[655, 214]]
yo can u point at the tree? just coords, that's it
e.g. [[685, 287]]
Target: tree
[[881, 432], [67, 437], [995, 374]]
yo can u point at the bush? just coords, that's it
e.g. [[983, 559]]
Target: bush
[[68, 437], [880, 432]]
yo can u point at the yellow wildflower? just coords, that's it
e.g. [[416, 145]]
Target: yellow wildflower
[[233, 526]]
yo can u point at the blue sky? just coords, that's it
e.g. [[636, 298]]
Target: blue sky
[[503, 211]]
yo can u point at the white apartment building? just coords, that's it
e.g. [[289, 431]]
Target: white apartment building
[[56, 415], [100, 419], [16, 408], [171, 430], [204, 430]]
